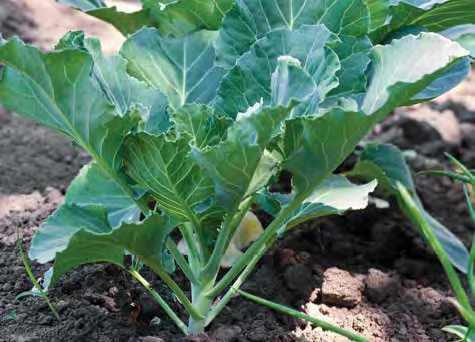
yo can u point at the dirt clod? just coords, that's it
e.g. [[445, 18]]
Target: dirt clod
[[341, 289], [380, 286]]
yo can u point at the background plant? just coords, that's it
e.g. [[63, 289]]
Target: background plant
[[191, 123], [462, 301]]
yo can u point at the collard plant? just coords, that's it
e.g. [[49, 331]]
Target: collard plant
[[207, 102]]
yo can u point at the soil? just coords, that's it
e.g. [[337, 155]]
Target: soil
[[368, 272]]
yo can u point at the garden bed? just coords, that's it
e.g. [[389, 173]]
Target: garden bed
[[368, 272]]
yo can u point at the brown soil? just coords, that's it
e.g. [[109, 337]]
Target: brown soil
[[368, 272]]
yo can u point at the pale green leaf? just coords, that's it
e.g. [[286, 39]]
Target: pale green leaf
[[386, 163], [126, 23], [237, 165], [126, 93], [405, 67], [461, 332], [182, 16], [250, 80], [54, 234], [182, 68], [335, 196], [201, 124], [163, 167], [56, 89], [313, 147], [142, 239], [249, 20], [92, 186]]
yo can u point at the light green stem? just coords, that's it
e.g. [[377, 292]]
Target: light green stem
[[160, 301], [322, 324], [173, 286]]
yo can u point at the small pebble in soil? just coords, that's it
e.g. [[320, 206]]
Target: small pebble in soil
[[226, 333], [380, 286], [341, 289]]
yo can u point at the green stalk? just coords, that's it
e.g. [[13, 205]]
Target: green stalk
[[181, 261], [261, 245], [32, 276], [230, 225], [418, 219], [160, 301], [173, 286], [230, 293], [297, 314]]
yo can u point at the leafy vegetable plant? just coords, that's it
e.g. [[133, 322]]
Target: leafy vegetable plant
[[207, 102]]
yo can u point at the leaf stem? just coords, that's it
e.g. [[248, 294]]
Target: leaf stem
[[181, 261], [230, 225], [160, 301], [261, 245], [322, 324], [173, 286]]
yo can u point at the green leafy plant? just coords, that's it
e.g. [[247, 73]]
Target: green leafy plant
[[189, 126], [462, 303]]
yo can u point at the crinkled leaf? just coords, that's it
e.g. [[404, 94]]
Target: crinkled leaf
[[94, 187], [182, 68], [182, 16], [126, 93], [57, 90], [405, 67], [250, 80], [386, 163], [249, 20], [201, 124], [126, 23], [237, 165], [163, 167], [53, 235], [145, 239]]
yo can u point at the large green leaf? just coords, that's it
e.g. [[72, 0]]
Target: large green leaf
[[93, 186], [405, 67], [182, 16], [432, 16], [386, 163], [126, 93], [250, 80], [312, 147], [127, 23], [54, 234], [335, 196], [182, 68], [57, 90], [249, 20], [162, 166], [145, 239]]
